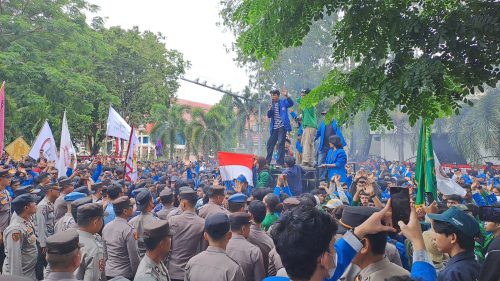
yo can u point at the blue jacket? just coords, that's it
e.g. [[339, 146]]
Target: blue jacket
[[321, 133], [461, 267], [284, 104], [339, 158], [294, 175], [286, 190]]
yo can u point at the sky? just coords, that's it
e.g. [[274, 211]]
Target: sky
[[190, 28]]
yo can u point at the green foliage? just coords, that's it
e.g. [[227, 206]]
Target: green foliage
[[423, 58], [169, 123], [52, 61]]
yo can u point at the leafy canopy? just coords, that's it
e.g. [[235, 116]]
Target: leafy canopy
[[421, 57]]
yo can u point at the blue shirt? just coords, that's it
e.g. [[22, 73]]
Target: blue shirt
[[461, 267], [109, 213], [339, 158]]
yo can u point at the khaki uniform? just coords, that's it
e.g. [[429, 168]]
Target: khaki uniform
[[275, 263], [211, 208], [92, 258], [60, 276], [45, 220], [187, 241], [381, 270], [392, 253], [213, 265], [20, 249], [60, 207], [5, 201], [151, 271], [248, 256], [138, 223], [265, 243], [163, 213], [121, 248], [65, 223], [174, 212]]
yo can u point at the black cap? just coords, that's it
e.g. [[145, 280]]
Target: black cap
[[305, 91], [274, 91], [23, 200], [91, 210], [217, 225], [26, 189], [187, 193], [142, 199], [216, 190], [239, 219], [4, 173], [63, 242], [64, 181], [353, 217], [156, 229], [121, 203], [166, 192]]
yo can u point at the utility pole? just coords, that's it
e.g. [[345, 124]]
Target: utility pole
[[219, 89]]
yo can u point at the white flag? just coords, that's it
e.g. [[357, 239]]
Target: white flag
[[66, 149], [446, 185], [44, 141], [117, 126], [131, 161]]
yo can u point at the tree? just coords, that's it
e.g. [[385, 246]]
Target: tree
[[425, 56], [169, 124]]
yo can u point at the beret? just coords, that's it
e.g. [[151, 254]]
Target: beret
[[73, 196], [237, 198]]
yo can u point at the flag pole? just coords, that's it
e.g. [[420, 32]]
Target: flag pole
[[128, 148]]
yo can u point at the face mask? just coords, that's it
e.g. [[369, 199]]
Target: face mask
[[331, 271]]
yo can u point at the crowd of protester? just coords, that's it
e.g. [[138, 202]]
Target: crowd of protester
[[180, 221]]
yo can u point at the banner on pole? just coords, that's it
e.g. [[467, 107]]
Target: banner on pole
[[66, 150], [131, 160], [44, 142], [117, 126], [2, 117]]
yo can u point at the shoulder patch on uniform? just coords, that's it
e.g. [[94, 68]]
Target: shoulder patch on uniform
[[16, 236], [136, 236]]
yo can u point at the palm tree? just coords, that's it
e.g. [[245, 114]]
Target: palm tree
[[475, 131], [169, 123], [208, 128], [246, 107]]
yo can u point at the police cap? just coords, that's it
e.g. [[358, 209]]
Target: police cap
[[63, 242]]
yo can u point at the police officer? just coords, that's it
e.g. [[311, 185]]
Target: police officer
[[144, 203], [121, 246], [157, 239], [167, 201], [248, 256], [187, 239], [90, 222], [45, 222], [67, 221], [5, 212], [63, 255], [257, 236], [214, 205], [214, 264], [237, 202], [20, 239], [60, 205]]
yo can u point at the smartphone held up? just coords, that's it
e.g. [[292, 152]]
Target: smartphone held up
[[400, 204]]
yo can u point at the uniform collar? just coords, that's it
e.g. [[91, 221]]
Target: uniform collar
[[215, 249], [86, 234], [374, 267], [237, 236], [61, 275], [462, 256]]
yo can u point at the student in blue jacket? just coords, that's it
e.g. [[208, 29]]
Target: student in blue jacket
[[336, 159], [279, 125]]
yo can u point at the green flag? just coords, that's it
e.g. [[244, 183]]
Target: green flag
[[425, 174]]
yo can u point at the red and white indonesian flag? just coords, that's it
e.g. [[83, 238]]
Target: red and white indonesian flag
[[131, 161], [231, 165]]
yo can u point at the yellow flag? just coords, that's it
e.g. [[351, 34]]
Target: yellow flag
[[18, 149]]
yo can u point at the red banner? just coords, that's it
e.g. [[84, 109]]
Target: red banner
[[2, 117]]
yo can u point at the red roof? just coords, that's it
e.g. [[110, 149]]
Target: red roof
[[203, 106]]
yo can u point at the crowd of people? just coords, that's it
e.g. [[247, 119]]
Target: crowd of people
[[180, 221]]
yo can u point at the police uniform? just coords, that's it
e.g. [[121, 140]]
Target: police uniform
[[166, 193], [275, 263], [92, 253], [187, 239], [142, 199], [5, 213], [247, 255], [263, 241], [61, 244], [381, 270], [20, 243], [148, 269], [67, 221], [212, 208], [121, 246], [214, 264], [45, 220], [60, 205]]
